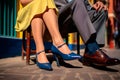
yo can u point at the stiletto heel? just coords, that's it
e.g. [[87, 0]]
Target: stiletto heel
[[57, 60], [70, 56], [45, 66]]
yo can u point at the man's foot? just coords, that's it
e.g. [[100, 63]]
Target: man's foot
[[99, 58]]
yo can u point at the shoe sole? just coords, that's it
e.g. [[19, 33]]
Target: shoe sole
[[87, 62]]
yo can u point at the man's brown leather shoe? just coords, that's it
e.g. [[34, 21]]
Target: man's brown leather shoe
[[99, 58]]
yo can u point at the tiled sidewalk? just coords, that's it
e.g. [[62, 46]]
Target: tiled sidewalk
[[16, 69]]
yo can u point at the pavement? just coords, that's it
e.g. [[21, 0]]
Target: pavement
[[15, 68]]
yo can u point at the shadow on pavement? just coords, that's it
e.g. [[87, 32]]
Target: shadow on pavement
[[65, 64], [51, 59], [104, 68]]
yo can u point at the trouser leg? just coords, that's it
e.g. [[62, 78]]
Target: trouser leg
[[82, 20], [98, 19]]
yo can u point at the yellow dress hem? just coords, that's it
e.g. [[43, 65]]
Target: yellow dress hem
[[26, 13]]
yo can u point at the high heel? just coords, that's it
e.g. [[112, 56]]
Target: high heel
[[70, 56], [45, 66], [57, 60]]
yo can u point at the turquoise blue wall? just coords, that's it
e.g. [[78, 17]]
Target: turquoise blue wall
[[11, 47], [7, 18]]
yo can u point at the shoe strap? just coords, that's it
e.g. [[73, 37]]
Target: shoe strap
[[61, 45], [40, 52]]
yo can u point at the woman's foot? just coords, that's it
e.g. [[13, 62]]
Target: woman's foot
[[63, 48], [66, 55], [42, 61], [41, 57]]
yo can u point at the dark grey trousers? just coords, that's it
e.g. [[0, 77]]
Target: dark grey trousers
[[86, 21]]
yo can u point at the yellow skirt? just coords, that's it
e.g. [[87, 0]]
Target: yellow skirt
[[26, 13]]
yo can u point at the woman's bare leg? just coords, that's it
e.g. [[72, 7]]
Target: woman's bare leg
[[51, 20], [38, 28]]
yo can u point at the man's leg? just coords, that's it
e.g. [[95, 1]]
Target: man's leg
[[93, 55], [99, 19], [84, 25], [82, 21]]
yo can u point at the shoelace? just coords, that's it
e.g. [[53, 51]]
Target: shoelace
[[104, 52]]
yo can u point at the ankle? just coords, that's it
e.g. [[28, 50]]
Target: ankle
[[57, 43], [63, 48], [41, 57], [91, 48]]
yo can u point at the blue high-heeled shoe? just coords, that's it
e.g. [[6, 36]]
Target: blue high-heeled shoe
[[45, 66], [70, 56]]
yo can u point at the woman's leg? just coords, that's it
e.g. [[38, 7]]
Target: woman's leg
[[38, 29], [51, 20]]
